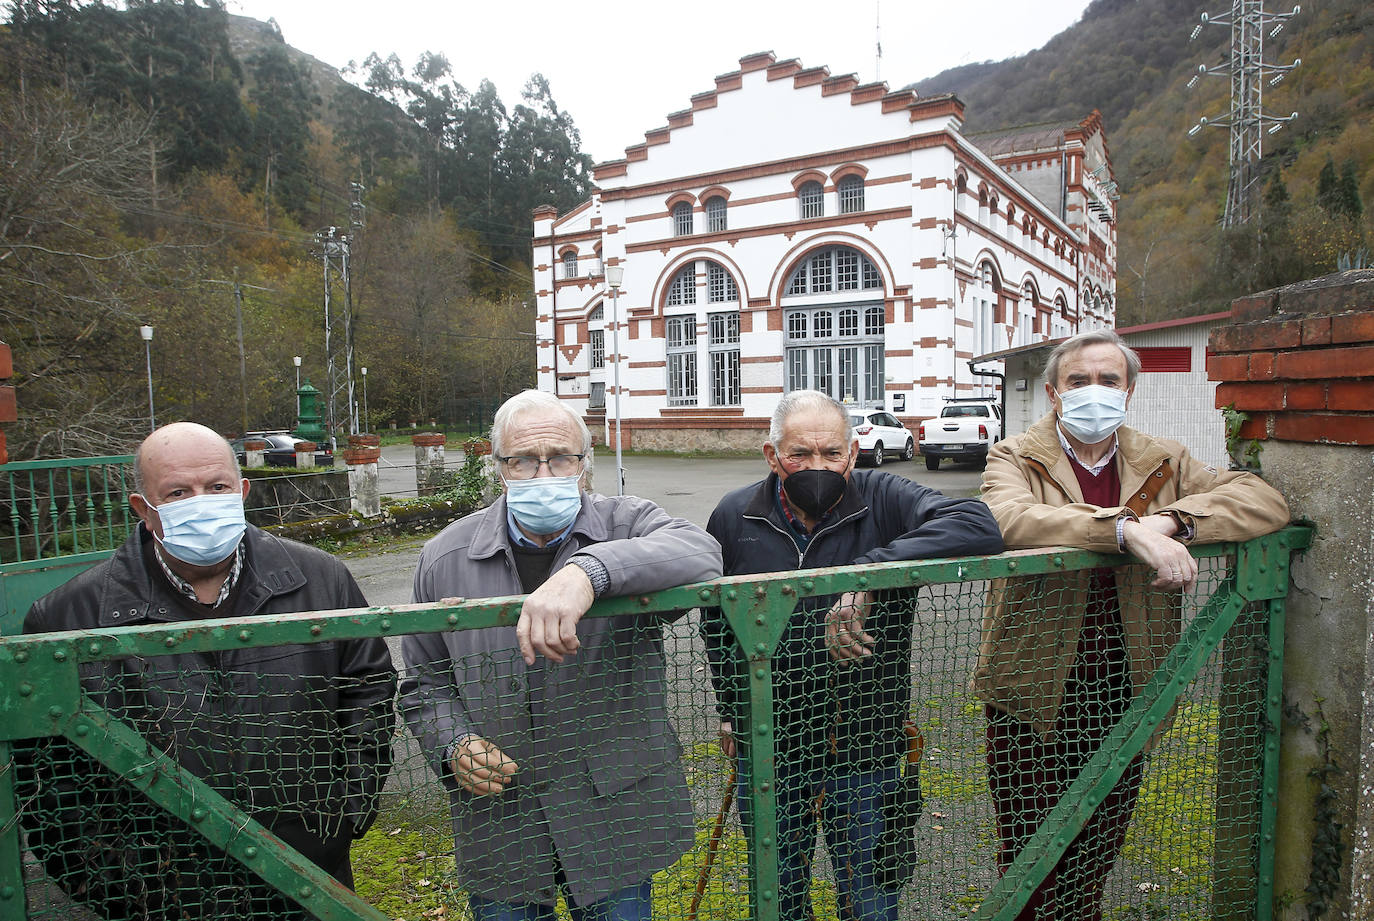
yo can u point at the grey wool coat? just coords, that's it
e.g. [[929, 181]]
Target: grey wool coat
[[599, 792]]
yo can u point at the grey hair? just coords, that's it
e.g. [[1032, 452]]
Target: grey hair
[[527, 401], [138, 463], [1082, 341], [796, 401]]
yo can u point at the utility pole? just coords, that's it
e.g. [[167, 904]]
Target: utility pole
[[238, 316], [1246, 119], [334, 247]]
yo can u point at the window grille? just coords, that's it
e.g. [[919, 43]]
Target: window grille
[[837, 268], [682, 219], [821, 277], [723, 328], [715, 214], [874, 321], [851, 189], [598, 348], [849, 322], [683, 288], [725, 378], [811, 199], [822, 324], [847, 270], [570, 264], [873, 373], [682, 360], [720, 286], [796, 325]]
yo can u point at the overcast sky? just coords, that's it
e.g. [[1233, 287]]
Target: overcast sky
[[619, 67]]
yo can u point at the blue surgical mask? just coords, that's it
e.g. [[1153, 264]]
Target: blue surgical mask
[[202, 530], [544, 505], [1092, 413]]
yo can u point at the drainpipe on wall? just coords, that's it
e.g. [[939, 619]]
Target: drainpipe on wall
[[553, 293], [1001, 377]]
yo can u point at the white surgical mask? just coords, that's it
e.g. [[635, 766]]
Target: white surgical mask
[[202, 530], [1092, 413]]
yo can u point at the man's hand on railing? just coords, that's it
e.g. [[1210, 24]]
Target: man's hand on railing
[[844, 627], [1151, 540], [727, 738], [480, 767], [548, 620]]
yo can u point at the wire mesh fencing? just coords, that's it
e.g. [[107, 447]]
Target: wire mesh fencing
[[993, 753]]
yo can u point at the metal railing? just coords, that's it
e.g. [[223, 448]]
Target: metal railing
[[1200, 844]]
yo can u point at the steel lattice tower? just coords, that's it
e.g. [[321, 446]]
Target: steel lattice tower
[[334, 247], [1247, 119]]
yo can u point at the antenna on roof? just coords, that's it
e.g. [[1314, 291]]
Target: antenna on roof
[[878, 39]]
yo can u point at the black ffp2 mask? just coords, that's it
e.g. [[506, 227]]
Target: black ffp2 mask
[[814, 492]]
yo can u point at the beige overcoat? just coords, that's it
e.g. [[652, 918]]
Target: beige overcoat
[[1031, 625]]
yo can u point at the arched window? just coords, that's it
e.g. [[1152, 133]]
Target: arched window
[[683, 288], [570, 264], [811, 200], [983, 295], [682, 219], [851, 189], [715, 214], [720, 286], [597, 337], [837, 268]]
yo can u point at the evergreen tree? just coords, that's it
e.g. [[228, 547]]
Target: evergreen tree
[[281, 105], [1349, 187]]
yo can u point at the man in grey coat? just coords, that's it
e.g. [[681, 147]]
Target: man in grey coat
[[553, 737]]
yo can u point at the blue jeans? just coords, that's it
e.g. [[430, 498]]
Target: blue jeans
[[629, 904], [849, 808]]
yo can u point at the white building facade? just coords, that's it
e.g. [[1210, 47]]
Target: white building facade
[[793, 229]]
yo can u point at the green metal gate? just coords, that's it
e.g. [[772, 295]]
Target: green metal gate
[[1200, 844], [62, 517]]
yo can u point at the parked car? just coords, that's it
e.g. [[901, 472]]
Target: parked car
[[965, 430], [281, 449], [881, 434]]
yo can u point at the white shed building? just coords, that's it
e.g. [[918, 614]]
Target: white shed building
[[796, 229]]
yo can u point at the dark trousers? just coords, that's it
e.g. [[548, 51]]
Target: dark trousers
[[1028, 774]]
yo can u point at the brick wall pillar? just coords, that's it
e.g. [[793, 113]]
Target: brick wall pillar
[[9, 408], [363, 487], [1300, 361], [255, 453], [305, 454], [429, 462]]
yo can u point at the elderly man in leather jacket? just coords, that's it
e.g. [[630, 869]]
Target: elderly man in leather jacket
[[298, 736], [1063, 655], [553, 735], [842, 667]]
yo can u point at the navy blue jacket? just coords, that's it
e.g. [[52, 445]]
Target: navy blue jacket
[[846, 716]]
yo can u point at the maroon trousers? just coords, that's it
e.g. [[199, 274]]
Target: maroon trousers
[[1028, 773]]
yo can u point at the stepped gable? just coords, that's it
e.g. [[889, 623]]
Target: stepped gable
[[803, 78]]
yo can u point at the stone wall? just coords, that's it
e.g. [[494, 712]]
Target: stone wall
[[1300, 362]]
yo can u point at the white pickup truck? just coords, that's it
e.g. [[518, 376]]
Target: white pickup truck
[[964, 430]]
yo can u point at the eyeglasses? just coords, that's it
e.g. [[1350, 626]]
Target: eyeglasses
[[526, 466]]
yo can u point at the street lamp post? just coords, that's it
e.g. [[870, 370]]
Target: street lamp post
[[365, 423], [296, 360], [614, 276], [147, 333]]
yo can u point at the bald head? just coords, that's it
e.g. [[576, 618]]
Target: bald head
[[177, 444]]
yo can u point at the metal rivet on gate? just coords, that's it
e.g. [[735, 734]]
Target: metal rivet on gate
[[761, 648], [169, 642], [250, 852], [198, 814], [808, 586], [765, 786], [758, 673], [731, 595], [386, 624], [452, 620], [705, 594], [25, 689], [245, 635], [767, 842], [763, 729], [1011, 564], [21, 656], [93, 649], [59, 656], [760, 620], [766, 895], [54, 711], [83, 729], [760, 591], [1262, 568], [138, 771], [862, 581], [316, 630], [7, 893], [645, 601], [306, 892], [1059, 561], [787, 589]]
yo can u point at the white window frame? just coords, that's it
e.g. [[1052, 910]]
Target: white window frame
[[716, 220], [682, 219], [680, 341], [811, 200], [851, 193]]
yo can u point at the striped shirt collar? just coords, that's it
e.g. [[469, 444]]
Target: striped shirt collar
[[185, 588]]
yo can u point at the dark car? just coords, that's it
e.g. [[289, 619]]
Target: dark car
[[281, 449]]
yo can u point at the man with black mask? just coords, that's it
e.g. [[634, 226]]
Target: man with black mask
[[841, 670]]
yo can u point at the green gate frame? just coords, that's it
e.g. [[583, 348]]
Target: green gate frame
[[40, 696]]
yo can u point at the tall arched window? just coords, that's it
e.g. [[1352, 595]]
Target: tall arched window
[[682, 219], [715, 214], [683, 288], [570, 264], [983, 294], [851, 189], [811, 199], [721, 355], [836, 344], [838, 268]]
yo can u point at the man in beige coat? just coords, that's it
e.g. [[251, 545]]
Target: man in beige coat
[[1063, 655]]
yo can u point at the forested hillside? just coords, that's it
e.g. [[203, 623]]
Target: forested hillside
[[157, 153], [1132, 60]]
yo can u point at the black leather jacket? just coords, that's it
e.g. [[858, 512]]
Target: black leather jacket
[[842, 717], [299, 736]]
